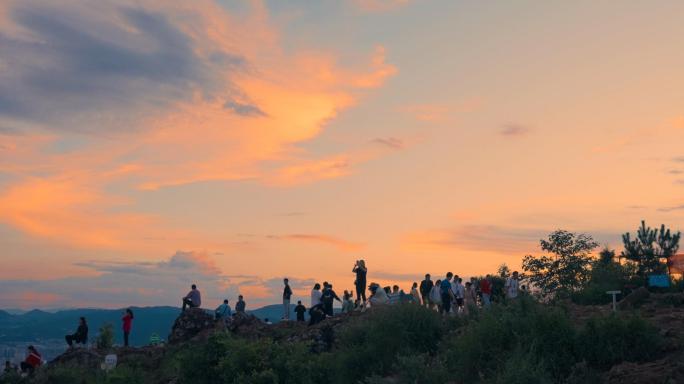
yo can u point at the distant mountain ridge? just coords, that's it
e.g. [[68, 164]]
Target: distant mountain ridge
[[38, 325]]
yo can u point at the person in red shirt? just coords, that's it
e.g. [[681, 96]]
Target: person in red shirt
[[486, 289], [33, 360], [127, 320]]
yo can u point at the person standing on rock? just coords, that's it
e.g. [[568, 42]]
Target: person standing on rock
[[327, 297], [300, 309], [127, 320], [425, 289], [315, 295], [361, 273], [287, 294], [240, 305], [193, 299]]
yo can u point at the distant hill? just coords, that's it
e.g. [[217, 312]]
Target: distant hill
[[37, 325]]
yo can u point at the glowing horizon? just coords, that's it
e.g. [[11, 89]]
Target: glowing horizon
[[145, 146]]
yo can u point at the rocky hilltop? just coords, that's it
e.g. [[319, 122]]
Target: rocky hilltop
[[642, 344]]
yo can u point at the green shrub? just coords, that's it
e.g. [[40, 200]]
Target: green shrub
[[105, 339], [543, 334], [371, 344], [604, 341]]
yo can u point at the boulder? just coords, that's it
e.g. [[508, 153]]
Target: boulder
[[189, 324], [634, 299]]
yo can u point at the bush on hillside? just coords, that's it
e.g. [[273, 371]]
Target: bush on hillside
[[604, 341], [371, 344]]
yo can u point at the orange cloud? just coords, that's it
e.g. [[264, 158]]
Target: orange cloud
[[243, 123]]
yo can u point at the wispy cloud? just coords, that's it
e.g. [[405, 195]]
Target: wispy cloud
[[671, 209], [514, 130], [390, 142]]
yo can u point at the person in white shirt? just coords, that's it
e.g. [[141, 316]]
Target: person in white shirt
[[436, 296], [415, 293], [316, 295], [511, 286]]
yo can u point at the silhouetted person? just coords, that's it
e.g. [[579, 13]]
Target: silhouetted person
[[327, 297], [222, 312], [193, 299], [360, 283], [287, 294], [127, 320], [486, 290], [415, 294], [425, 289], [33, 360], [511, 287], [347, 303], [240, 305], [446, 293], [8, 367], [315, 295], [300, 309], [81, 335], [436, 296], [378, 295], [316, 314]]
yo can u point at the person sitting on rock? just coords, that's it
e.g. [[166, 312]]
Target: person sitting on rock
[[378, 295], [33, 360], [223, 311], [347, 303], [81, 335], [193, 299], [316, 314], [300, 309], [240, 305]]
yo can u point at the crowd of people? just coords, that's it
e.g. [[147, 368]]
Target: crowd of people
[[448, 295]]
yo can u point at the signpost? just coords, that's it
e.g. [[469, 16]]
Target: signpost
[[614, 293]]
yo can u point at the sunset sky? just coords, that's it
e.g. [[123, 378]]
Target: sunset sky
[[148, 145]]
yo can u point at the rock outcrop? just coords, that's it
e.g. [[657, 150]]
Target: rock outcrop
[[191, 323]]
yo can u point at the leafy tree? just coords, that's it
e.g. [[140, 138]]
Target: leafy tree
[[504, 272], [606, 256], [569, 267], [649, 247]]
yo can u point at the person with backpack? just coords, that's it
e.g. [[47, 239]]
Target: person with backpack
[[287, 294], [360, 283], [446, 293], [300, 309], [81, 335], [240, 305], [127, 321], [436, 296], [33, 360], [222, 312], [327, 297], [425, 289]]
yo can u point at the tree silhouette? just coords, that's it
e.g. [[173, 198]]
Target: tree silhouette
[[650, 246], [568, 269]]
